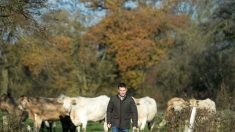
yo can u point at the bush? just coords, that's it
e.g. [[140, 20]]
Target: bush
[[222, 121], [9, 123]]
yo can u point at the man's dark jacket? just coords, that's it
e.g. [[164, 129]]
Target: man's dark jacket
[[119, 112]]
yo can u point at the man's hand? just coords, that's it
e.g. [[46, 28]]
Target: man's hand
[[109, 125]]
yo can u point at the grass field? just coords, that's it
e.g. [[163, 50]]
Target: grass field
[[224, 121], [91, 127]]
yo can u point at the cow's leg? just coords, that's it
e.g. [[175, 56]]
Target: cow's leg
[[64, 123], [5, 121], [151, 124], [43, 126], [37, 125], [37, 122], [143, 123], [139, 124], [67, 124], [84, 124], [72, 127], [77, 124], [53, 126], [78, 128], [105, 127], [50, 126]]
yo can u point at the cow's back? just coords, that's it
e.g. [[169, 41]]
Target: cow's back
[[206, 104], [93, 108]]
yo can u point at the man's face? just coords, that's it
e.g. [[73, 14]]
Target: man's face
[[122, 91]]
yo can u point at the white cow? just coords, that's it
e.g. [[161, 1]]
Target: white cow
[[84, 109], [147, 110], [178, 104], [206, 104]]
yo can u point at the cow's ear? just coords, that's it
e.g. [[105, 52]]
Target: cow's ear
[[73, 102]]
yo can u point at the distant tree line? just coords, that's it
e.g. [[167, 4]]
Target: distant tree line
[[159, 48]]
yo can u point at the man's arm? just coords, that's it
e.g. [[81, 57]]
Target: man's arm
[[134, 113], [109, 111]]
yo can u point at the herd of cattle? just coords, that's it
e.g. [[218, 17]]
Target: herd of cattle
[[75, 112]]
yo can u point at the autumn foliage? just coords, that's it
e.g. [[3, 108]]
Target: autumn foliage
[[158, 48], [137, 38]]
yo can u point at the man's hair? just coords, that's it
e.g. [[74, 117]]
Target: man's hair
[[121, 85]]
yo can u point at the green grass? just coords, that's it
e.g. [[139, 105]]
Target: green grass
[[226, 119], [91, 126]]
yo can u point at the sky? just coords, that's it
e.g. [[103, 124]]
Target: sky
[[88, 17]]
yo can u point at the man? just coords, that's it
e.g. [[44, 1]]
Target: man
[[121, 109]]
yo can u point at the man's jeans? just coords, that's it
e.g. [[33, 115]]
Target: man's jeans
[[116, 129]]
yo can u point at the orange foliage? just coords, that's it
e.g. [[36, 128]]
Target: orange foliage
[[34, 62], [38, 57], [62, 43], [134, 36]]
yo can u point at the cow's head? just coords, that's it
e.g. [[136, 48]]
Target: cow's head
[[137, 101], [68, 102], [23, 102]]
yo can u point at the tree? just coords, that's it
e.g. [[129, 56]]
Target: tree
[[200, 64], [18, 15], [137, 39], [15, 16], [59, 63], [91, 70]]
